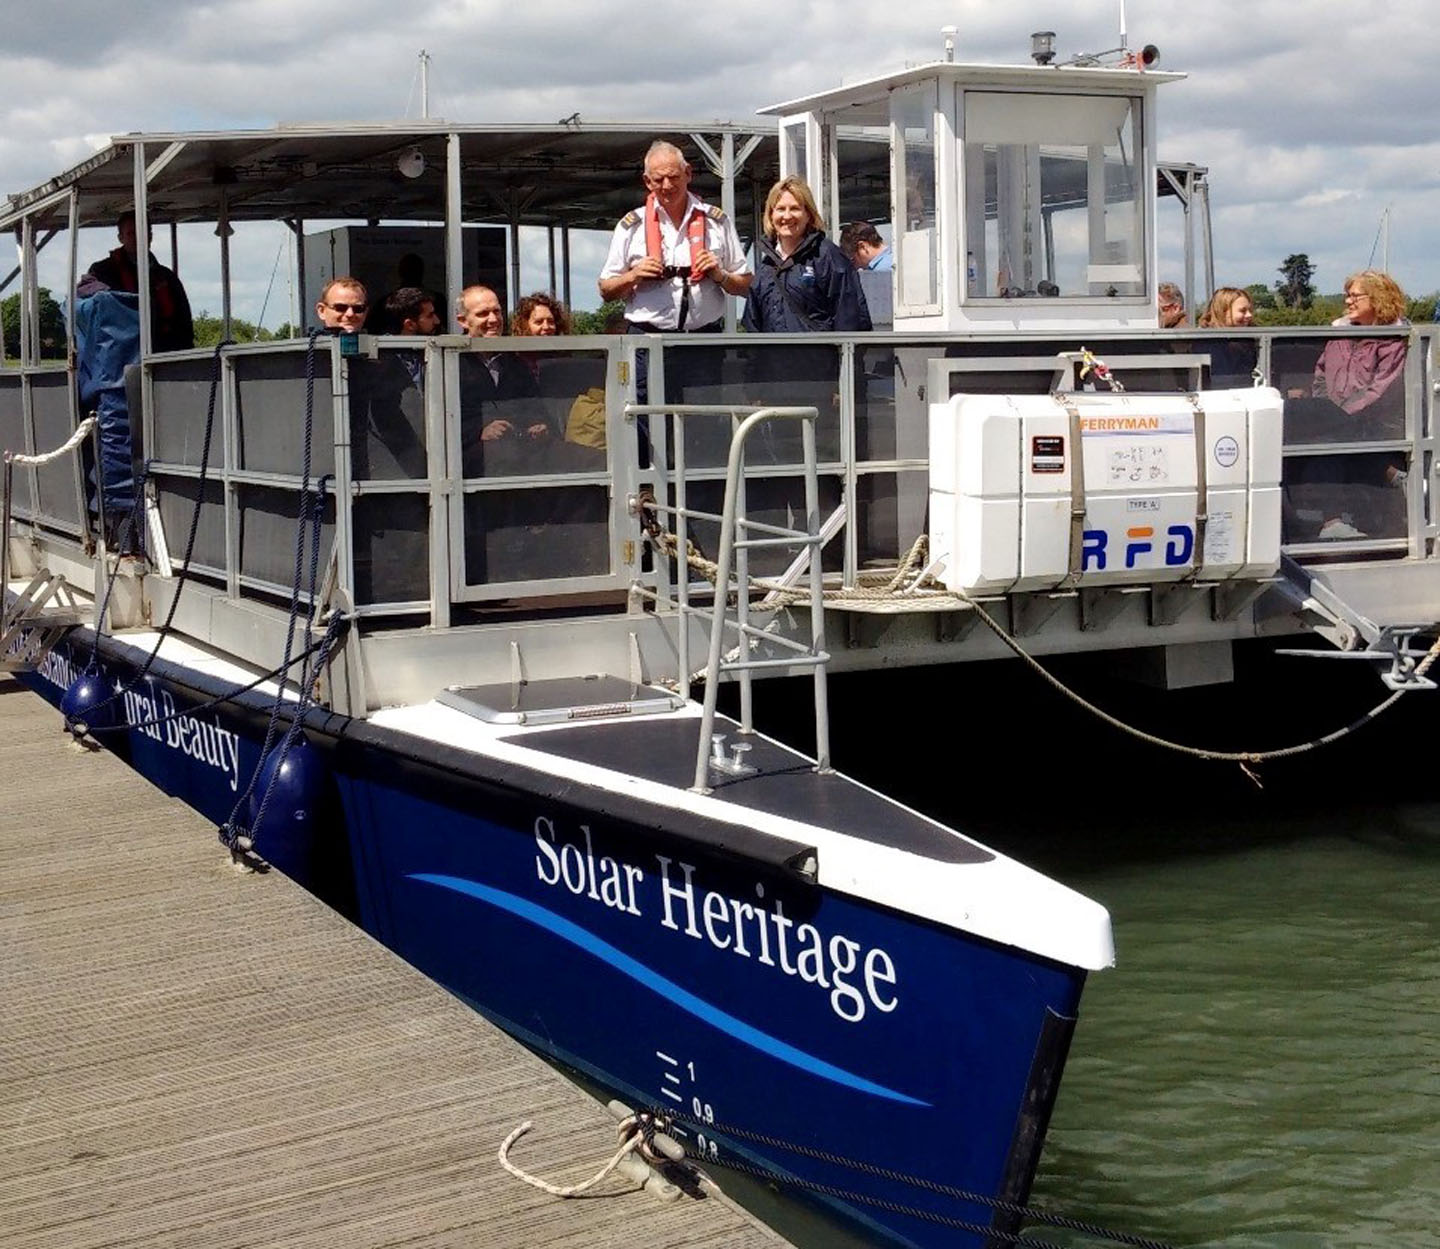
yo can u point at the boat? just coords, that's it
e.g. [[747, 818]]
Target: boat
[[474, 702]]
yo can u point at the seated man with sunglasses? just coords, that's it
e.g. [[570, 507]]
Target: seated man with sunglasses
[[342, 306]]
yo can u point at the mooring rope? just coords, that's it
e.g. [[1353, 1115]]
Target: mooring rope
[[1034, 1214], [910, 582], [631, 1139], [82, 431]]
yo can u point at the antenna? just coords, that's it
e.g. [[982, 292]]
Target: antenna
[[949, 32], [1123, 45], [424, 83], [1382, 241]]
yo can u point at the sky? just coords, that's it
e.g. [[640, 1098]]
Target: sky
[[1315, 119]]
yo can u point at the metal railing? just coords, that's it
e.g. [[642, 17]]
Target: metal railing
[[734, 555]]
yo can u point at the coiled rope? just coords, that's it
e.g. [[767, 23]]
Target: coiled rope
[[632, 1138]]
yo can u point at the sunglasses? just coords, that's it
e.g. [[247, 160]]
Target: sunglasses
[[343, 308]]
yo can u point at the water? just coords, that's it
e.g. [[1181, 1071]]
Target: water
[[1262, 1066]]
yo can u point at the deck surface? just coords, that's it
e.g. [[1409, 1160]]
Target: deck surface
[[189, 1056]]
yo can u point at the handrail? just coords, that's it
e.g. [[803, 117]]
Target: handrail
[[734, 552]]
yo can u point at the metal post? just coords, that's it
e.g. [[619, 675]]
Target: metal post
[[513, 294], [222, 228], [27, 290], [565, 264], [727, 203], [5, 541], [454, 242], [742, 598], [1204, 190], [73, 227], [297, 326], [142, 252], [1194, 294], [554, 286], [675, 453]]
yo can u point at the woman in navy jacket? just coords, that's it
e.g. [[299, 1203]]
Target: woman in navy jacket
[[803, 283]]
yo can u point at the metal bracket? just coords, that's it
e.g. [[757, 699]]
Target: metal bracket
[[954, 626], [1233, 597], [1169, 602], [1029, 612], [1100, 607], [1392, 646]]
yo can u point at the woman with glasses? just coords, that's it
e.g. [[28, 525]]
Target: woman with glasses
[[1355, 374], [1359, 376]]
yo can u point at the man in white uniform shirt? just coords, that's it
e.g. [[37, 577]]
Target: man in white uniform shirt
[[675, 259]]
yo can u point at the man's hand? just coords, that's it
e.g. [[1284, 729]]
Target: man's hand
[[704, 264], [496, 429]]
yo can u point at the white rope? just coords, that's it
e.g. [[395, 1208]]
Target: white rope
[[82, 431], [630, 1137]]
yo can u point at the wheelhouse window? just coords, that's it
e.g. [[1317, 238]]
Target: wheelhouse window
[[1054, 196], [916, 218]]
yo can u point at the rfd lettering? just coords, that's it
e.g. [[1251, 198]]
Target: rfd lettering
[[1139, 541]]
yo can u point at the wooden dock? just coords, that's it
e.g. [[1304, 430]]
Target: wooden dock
[[190, 1056]]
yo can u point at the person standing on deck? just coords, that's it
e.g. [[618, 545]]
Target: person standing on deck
[[172, 328], [806, 283], [674, 259]]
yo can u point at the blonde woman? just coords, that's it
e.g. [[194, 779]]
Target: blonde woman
[[1232, 360], [1229, 305], [803, 283]]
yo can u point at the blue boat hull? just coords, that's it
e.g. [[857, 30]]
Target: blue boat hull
[[819, 1036]]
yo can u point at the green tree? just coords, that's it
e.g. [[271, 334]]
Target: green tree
[[52, 327], [1425, 308], [207, 330], [1261, 296], [594, 322], [1296, 289]]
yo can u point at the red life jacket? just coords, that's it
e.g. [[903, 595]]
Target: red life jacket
[[694, 232]]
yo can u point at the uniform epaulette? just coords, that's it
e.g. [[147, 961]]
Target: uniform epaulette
[[630, 220], [716, 213]]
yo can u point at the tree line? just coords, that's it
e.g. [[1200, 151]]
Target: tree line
[[1293, 300]]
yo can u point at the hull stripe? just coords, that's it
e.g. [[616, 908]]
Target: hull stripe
[[738, 1029]]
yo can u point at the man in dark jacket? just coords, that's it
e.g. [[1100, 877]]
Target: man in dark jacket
[[171, 326]]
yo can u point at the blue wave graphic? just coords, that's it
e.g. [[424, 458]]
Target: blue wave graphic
[[651, 979]]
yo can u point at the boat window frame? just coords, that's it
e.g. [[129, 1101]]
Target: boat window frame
[[1142, 158], [899, 196]]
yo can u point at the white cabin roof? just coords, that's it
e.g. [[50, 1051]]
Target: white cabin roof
[[1047, 78]]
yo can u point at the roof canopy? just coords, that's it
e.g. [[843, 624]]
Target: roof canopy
[[577, 174]]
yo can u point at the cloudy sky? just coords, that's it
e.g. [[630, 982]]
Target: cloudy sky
[[1314, 118]]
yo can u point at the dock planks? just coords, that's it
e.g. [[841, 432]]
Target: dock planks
[[189, 1056]]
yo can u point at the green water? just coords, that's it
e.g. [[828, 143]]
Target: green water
[[1262, 1065]]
